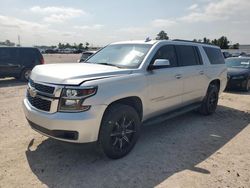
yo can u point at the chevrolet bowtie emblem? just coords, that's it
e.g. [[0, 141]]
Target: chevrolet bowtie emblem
[[32, 92]]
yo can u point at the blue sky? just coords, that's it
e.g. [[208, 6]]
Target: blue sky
[[101, 22]]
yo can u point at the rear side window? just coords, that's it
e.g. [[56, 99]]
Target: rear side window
[[166, 52], [28, 53], [214, 55], [187, 55], [27, 56], [8, 53], [37, 54]]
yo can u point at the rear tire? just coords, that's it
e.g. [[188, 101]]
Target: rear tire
[[210, 102], [25, 75], [120, 130]]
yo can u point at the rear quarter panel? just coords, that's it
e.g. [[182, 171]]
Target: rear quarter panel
[[214, 71]]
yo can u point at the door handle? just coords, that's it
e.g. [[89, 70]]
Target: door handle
[[201, 72], [178, 76]]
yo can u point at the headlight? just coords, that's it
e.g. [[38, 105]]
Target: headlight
[[72, 99], [238, 77]]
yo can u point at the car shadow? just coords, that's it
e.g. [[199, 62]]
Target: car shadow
[[237, 91], [10, 82], [163, 149]]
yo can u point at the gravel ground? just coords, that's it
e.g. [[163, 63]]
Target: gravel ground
[[187, 151]]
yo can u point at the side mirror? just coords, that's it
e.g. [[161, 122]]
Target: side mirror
[[159, 63]]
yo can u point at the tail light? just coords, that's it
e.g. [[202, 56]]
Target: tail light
[[42, 61]]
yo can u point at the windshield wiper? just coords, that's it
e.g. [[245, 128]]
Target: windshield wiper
[[109, 64]]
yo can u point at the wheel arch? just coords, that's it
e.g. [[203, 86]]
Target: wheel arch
[[133, 101], [215, 82]]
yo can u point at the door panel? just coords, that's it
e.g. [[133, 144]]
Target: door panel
[[165, 85], [9, 65], [165, 90], [194, 81]]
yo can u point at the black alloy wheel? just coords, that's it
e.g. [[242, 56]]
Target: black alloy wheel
[[122, 133], [210, 102], [120, 130]]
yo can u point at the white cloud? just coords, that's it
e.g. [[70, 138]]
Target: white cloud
[[89, 27], [163, 23], [133, 30], [57, 14], [55, 10], [30, 32], [12, 22], [193, 7], [33, 33], [219, 10]]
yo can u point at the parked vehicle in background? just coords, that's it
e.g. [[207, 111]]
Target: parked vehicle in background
[[125, 84], [243, 54], [86, 55], [236, 54], [67, 51], [226, 54], [238, 73], [19, 61], [51, 51], [42, 51], [77, 51]]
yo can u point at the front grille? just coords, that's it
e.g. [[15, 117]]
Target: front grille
[[42, 88], [39, 103]]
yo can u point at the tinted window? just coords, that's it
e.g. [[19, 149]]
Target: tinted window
[[28, 56], [28, 53], [8, 53], [166, 52], [214, 55], [187, 55]]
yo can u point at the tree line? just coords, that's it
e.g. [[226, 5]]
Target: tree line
[[62, 46], [79, 46], [222, 42]]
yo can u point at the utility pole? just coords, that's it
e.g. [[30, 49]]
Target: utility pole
[[19, 40]]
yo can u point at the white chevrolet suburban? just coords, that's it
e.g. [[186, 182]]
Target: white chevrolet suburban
[[109, 96]]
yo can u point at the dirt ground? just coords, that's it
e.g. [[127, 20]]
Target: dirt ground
[[187, 151]]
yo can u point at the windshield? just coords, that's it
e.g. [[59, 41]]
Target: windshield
[[121, 55], [238, 63]]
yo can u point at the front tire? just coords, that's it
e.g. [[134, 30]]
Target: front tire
[[210, 102], [120, 130], [25, 75]]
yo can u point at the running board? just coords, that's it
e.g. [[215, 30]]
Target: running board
[[172, 114]]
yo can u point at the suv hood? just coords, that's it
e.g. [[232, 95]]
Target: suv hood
[[74, 73]]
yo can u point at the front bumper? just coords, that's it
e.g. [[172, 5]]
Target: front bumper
[[236, 84], [79, 127]]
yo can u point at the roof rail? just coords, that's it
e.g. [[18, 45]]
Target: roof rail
[[180, 40]]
